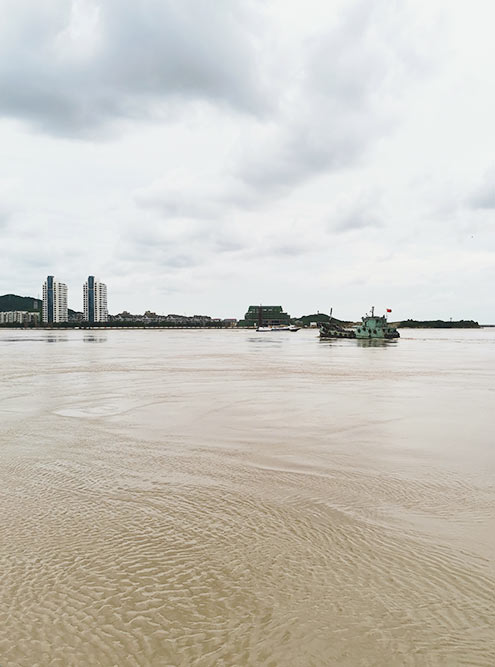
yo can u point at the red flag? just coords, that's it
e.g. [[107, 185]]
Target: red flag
[[389, 310]]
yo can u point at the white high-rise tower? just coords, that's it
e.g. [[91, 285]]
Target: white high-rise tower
[[95, 300], [54, 301]]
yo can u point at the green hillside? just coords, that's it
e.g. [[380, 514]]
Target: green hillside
[[14, 302], [318, 317], [27, 303], [437, 324]]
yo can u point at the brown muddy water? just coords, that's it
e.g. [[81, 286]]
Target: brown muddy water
[[233, 498]]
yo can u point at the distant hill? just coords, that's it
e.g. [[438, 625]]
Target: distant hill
[[317, 317], [27, 303], [14, 302], [437, 324]]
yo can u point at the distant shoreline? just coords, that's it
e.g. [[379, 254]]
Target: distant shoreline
[[78, 327], [437, 324]]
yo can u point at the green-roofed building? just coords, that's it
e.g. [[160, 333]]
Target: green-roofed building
[[270, 316]]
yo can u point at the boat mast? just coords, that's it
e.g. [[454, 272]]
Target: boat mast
[[260, 316]]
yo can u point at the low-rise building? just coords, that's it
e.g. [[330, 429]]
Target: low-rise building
[[19, 317], [265, 316]]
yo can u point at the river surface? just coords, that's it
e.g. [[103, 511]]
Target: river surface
[[232, 498]]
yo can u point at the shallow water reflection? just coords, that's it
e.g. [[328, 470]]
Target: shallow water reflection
[[91, 338]]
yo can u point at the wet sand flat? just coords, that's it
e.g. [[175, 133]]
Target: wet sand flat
[[233, 498]]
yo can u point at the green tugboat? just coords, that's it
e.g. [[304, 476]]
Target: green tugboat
[[372, 326], [375, 326]]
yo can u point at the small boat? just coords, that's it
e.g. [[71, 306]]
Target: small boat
[[273, 327], [291, 327]]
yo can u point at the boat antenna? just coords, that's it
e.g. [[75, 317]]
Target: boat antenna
[[372, 311], [331, 311]]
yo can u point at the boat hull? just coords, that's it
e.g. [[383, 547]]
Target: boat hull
[[276, 329], [379, 335], [337, 333]]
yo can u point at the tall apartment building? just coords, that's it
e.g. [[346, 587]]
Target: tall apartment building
[[95, 300], [54, 301]]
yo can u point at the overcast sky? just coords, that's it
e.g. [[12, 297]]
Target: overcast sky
[[202, 156]]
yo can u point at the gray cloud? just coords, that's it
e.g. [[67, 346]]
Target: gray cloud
[[180, 244], [350, 86], [206, 197], [10, 204], [359, 211], [4, 217], [71, 68], [483, 197], [331, 111]]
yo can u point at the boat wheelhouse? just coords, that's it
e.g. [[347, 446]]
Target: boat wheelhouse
[[375, 326]]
